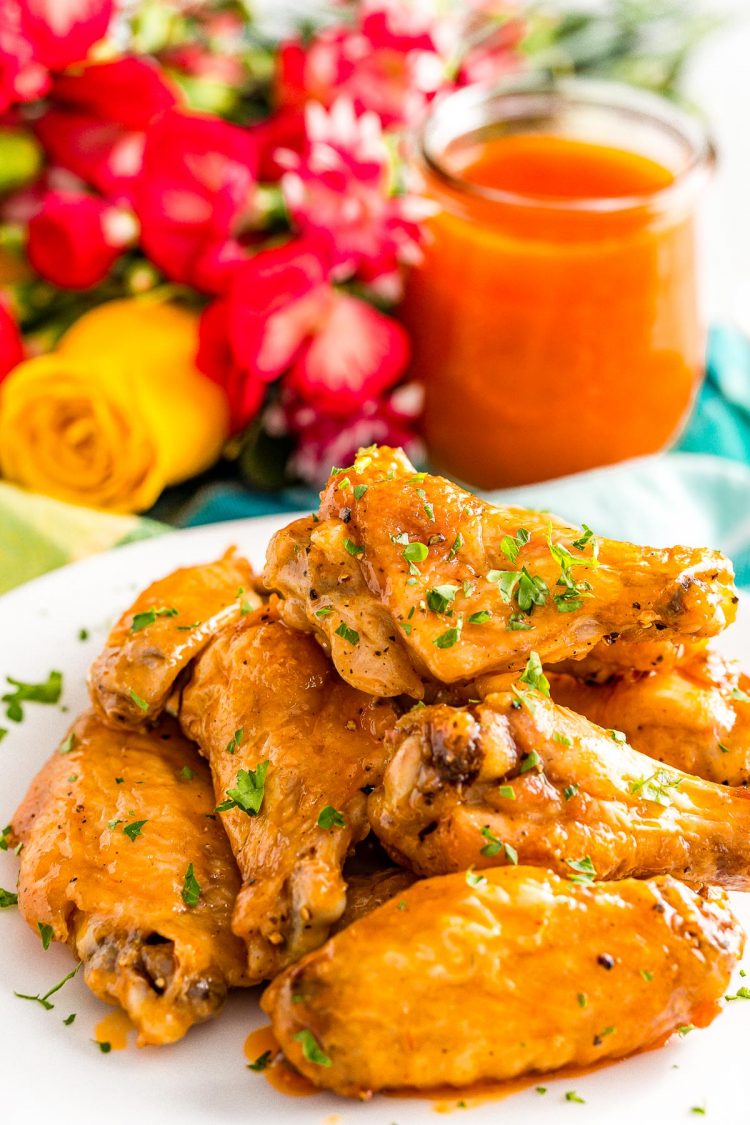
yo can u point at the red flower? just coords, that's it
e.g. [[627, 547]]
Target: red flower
[[62, 32], [98, 132], [75, 239], [195, 190], [11, 347], [244, 391]]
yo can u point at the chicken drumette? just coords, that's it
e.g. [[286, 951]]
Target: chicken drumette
[[298, 750], [405, 577], [470, 977], [123, 860], [517, 778]]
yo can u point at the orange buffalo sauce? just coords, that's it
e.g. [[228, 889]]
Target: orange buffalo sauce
[[554, 317]]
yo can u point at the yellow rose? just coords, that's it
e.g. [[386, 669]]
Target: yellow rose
[[116, 413]]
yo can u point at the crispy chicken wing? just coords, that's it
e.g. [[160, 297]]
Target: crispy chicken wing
[[493, 976], [519, 779], [364, 893], [110, 828], [405, 576], [695, 716], [166, 627], [261, 693], [608, 658]]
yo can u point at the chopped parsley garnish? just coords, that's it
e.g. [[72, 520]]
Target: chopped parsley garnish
[[724, 749], [481, 617], [737, 693], [458, 543], [570, 791], [585, 872], [261, 1062], [67, 744], [656, 786], [103, 1046], [582, 999], [580, 544], [353, 548], [493, 846], [534, 676], [329, 817], [741, 994], [360, 490], [7, 898], [187, 774], [141, 704], [507, 791], [187, 628], [344, 483], [572, 1096], [506, 581], [561, 738], [439, 598], [311, 1049], [4, 834], [83, 634], [149, 616], [324, 611], [517, 621], [532, 590], [685, 1029], [69, 1019], [647, 975], [401, 905], [699, 1109], [236, 740], [47, 692], [44, 1000], [3, 733], [350, 635], [510, 545], [191, 889], [248, 791], [46, 933], [530, 761], [451, 636], [571, 599], [406, 627], [415, 552], [473, 878], [617, 735], [132, 831], [541, 1089]]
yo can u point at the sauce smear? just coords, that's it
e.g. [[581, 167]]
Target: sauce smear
[[114, 1029], [278, 1073]]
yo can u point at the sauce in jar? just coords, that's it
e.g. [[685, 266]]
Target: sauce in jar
[[554, 317]]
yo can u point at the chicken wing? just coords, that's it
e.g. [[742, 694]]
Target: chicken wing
[[123, 861], [519, 779], [263, 698], [405, 576], [166, 627], [695, 717], [471, 977]]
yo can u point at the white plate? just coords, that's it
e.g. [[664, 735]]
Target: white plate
[[53, 1073]]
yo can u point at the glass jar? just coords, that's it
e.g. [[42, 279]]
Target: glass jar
[[555, 316]]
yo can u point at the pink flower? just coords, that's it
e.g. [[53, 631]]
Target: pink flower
[[96, 127], [283, 318], [37, 36], [322, 441], [75, 239], [11, 347], [195, 190], [341, 184]]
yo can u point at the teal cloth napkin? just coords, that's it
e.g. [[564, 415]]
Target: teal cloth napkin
[[698, 494]]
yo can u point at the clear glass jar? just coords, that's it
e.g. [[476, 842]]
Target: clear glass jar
[[555, 316]]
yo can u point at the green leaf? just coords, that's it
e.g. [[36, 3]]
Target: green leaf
[[534, 676], [46, 933], [456, 546], [507, 791], [353, 548], [191, 890], [261, 1062], [530, 761], [187, 774], [450, 637], [585, 872], [532, 590], [132, 831], [481, 617], [47, 692], [493, 845], [4, 836], [359, 491], [140, 703], [415, 552], [248, 792], [572, 1096], [7, 898], [506, 581], [44, 1000], [149, 616], [311, 1049], [329, 817], [580, 544], [510, 545], [517, 621], [67, 744], [474, 879], [350, 635], [439, 598], [236, 740]]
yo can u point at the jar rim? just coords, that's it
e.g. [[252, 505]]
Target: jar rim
[[592, 92]]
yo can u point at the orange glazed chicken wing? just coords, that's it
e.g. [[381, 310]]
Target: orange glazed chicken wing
[[405, 576], [123, 861], [166, 627], [519, 779], [293, 751], [490, 976], [695, 716]]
